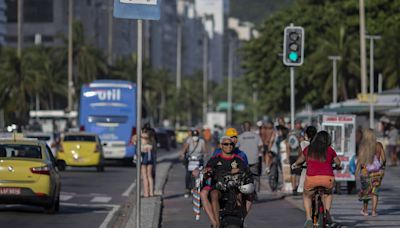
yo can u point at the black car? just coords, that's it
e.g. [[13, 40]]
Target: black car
[[162, 138], [172, 138]]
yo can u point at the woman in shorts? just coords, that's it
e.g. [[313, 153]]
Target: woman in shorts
[[319, 156]]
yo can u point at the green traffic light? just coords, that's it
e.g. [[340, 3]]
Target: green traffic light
[[293, 56]]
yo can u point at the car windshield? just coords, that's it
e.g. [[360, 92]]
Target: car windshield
[[20, 151], [81, 138]]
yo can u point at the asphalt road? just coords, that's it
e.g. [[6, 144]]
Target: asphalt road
[[88, 199]]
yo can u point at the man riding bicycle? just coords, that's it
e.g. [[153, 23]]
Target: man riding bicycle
[[217, 166]]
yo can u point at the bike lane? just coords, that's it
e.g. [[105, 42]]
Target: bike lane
[[269, 211]]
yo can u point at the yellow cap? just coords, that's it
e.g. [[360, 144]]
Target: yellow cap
[[231, 132]]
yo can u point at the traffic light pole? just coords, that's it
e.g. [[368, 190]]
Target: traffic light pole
[[292, 104]]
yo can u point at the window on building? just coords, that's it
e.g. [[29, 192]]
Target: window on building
[[11, 11], [38, 11], [35, 11]]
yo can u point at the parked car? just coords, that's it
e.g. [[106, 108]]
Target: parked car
[[81, 149], [162, 138], [29, 174], [172, 138]]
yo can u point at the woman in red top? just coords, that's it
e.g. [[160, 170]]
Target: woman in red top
[[319, 156]]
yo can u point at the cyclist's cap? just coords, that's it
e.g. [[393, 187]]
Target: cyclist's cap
[[230, 132], [195, 133], [223, 138]]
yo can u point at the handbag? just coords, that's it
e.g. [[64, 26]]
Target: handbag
[[375, 166]]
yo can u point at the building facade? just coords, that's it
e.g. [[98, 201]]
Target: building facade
[[48, 19], [3, 21]]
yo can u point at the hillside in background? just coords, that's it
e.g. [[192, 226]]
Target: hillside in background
[[256, 11]]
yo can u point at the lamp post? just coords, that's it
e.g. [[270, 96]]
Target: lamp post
[[334, 58], [362, 49], [230, 76], [371, 77], [20, 5], [70, 83]]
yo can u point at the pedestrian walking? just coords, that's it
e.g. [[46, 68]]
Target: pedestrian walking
[[251, 143], [370, 168]]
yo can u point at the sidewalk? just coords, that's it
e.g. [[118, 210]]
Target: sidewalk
[[150, 207], [346, 208]]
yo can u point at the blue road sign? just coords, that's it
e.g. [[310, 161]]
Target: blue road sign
[[137, 9]]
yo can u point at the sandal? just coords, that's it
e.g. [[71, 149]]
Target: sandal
[[374, 214], [363, 212]]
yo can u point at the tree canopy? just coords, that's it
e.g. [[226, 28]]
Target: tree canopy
[[331, 28]]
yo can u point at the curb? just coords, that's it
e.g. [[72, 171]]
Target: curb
[[128, 210]]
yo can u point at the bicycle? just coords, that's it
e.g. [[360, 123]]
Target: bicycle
[[273, 176], [318, 212]]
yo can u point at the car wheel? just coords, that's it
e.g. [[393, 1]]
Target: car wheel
[[54, 206]]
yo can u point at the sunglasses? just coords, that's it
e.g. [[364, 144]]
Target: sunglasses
[[228, 144], [234, 137]]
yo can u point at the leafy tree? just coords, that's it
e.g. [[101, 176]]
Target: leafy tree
[[332, 28]]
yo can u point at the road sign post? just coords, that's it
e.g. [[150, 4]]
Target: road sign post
[[140, 10]]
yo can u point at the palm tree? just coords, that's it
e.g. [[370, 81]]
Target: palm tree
[[18, 85]]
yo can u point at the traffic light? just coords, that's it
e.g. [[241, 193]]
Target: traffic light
[[293, 46]]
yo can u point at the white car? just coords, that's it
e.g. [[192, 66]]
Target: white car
[[46, 137]]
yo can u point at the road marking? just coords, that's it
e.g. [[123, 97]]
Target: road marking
[[101, 199], [109, 215], [129, 190], [65, 197]]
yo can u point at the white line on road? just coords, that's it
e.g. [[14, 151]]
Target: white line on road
[[109, 215], [101, 199], [129, 190], [65, 197]]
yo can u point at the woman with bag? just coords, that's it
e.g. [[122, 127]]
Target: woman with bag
[[192, 155], [370, 168]]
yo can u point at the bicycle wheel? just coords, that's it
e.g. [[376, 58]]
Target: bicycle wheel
[[321, 214], [273, 177]]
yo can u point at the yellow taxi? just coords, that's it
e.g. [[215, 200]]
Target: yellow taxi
[[28, 174], [80, 149], [181, 134]]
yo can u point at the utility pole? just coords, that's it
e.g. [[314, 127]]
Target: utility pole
[[230, 77], [179, 56], [205, 75], [334, 58], [371, 78], [178, 67], [380, 83], [363, 49], [110, 32], [70, 83], [20, 6]]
